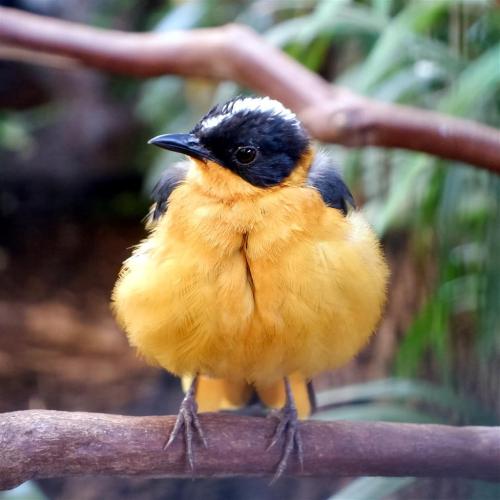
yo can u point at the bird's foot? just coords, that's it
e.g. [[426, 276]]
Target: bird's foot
[[288, 427], [188, 422]]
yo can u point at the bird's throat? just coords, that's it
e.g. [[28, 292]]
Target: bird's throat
[[221, 183]]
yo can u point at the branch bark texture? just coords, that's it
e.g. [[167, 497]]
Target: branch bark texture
[[44, 443], [233, 52]]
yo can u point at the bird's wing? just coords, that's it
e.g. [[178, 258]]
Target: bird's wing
[[168, 181], [326, 179]]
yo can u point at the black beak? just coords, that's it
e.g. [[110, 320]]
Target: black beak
[[183, 143]]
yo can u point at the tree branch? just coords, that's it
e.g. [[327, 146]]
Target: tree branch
[[332, 114], [44, 443]]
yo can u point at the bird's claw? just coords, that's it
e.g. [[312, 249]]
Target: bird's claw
[[289, 427], [187, 420]]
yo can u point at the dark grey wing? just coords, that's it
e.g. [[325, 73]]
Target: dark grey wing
[[168, 181], [326, 179]]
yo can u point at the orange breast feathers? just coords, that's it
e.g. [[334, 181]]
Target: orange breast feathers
[[249, 283]]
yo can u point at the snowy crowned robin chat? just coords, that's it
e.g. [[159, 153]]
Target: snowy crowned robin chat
[[258, 272]]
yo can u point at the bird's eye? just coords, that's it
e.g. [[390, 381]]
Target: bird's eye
[[245, 154]]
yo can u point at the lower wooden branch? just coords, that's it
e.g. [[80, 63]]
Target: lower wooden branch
[[43, 443]]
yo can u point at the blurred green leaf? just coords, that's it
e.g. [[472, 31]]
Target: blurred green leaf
[[477, 84], [26, 491], [347, 22], [162, 99], [404, 390], [372, 488], [14, 136], [402, 191], [391, 49], [183, 16], [430, 329], [377, 411]]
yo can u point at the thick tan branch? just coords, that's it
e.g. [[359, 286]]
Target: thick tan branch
[[231, 52], [332, 114], [43, 443]]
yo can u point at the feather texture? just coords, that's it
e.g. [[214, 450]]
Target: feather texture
[[169, 180], [325, 178], [249, 283]]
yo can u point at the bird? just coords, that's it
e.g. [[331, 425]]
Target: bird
[[258, 271]]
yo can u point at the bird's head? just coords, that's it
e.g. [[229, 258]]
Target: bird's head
[[258, 139]]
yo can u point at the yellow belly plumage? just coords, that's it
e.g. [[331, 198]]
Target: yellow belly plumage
[[251, 284]]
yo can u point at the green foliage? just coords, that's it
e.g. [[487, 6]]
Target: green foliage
[[450, 210], [17, 128], [372, 488], [399, 400], [440, 55], [26, 491], [444, 56]]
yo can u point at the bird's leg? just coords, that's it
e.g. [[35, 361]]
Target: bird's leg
[[288, 427], [187, 420]]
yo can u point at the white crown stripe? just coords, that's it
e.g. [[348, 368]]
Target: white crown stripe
[[264, 105], [213, 121]]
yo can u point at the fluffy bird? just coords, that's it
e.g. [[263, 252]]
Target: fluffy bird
[[258, 272]]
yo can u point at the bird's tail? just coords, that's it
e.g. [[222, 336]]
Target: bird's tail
[[214, 394]]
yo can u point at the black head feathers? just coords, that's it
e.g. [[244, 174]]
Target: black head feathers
[[257, 138]]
